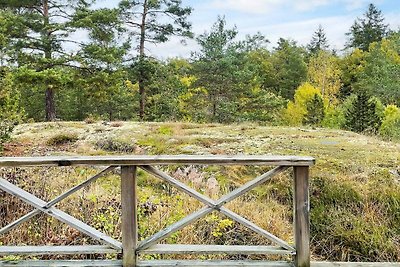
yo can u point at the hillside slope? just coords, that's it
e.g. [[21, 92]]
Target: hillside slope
[[355, 190]]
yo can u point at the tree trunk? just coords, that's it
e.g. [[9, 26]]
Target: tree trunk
[[50, 105], [142, 71], [49, 95]]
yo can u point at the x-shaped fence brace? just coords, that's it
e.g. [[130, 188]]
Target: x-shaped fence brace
[[211, 205], [49, 209]]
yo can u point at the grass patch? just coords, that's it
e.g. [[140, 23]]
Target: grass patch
[[116, 145], [62, 139]]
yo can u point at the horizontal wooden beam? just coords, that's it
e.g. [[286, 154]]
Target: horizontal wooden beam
[[215, 249], [194, 263], [51, 250], [157, 160], [354, 264]]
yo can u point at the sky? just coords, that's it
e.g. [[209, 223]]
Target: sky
[[294, 19]]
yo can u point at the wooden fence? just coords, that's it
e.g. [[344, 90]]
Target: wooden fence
[[130, 247]]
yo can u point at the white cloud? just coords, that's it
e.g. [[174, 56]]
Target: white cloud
[[247, 6], [268, 6], [301, 31]]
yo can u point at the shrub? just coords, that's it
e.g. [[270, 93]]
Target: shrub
[[90, 119], [334, 118], [62, 139], [115, 145], [117, 124], [315, 111], [390, 127], [10, 111], [296, 111], [6, 128]]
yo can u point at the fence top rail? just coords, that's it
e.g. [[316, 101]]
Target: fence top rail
[[156, 160]]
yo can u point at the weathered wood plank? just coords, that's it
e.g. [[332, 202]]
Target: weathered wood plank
[[301, 216], [179, 185], [173, 228], [51, 203], [193, 263], [58, 214], [236, 217], [215, 249], [157, 160], [249, 186], [354, 264], [62, 263], [51, 250], [129, 215]]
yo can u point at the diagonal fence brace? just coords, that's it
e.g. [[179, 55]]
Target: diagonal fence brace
[[58, 214], [212, 205], [53, 202]]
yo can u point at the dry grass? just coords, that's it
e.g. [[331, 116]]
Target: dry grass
[[355, 200]]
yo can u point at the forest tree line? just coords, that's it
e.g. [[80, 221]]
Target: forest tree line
[[47, 74]]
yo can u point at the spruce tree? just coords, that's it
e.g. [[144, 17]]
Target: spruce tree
[[315, 111], [318, 41], [362, 115], [371, 28]]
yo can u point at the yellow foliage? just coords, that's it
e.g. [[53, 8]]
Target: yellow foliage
[[188, 80], [304, 93], [391, 110], [295, 111], [293, 114], [133, 87], [324, 73]]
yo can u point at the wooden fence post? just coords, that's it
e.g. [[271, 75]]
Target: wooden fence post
[[129, 215], [301, 216]]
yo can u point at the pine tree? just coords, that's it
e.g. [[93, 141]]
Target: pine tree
[[318, 41], [371, 28], [153, 21], [362, 115]]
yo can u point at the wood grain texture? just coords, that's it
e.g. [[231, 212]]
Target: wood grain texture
[[55, 250], [215, 249], [157, 160], [206, 263], [301, 216], [129, 215]]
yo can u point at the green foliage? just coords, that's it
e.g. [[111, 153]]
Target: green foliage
[[159, 20], [297, 110], [390, 127], [334, 118], [315, 111], [318, 41], [363, 114], [371, 28], [10, 111], [381, 70], [289, 68], [258, 105]]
